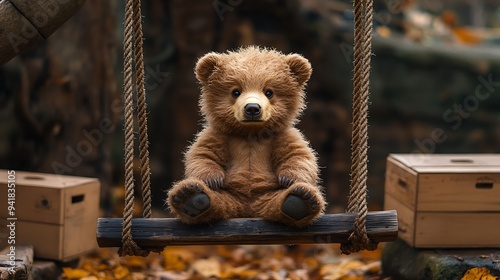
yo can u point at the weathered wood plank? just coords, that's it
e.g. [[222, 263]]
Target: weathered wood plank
[[16, 264], [382, 226]]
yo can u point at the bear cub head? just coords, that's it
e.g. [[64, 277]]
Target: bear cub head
[[246, 90]]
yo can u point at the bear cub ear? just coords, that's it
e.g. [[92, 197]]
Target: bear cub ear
[[206, 66], [300, 68]]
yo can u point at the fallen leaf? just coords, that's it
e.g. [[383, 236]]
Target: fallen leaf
[[270, 264], [102, 267], [348, 270], [89, 278], [299, 274], [247, 273], [239, 256], [121, 272], [311, 263], [177, 259], [383, 31], [88, 267], [241, 272], [171, 275], [74, 273], [226, 251], [372, 268], [135, 262], [138, 276], [371, 255], [207, 267], [478, 273]]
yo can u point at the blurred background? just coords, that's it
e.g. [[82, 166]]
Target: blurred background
[[435, 85]]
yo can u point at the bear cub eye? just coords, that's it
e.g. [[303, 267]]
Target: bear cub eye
[[235, 93], [268, 93]]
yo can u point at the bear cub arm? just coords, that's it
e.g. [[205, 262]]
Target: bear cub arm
[[294, 160], [206, 159]]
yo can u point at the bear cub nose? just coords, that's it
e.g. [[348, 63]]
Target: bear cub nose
[[252, 109]]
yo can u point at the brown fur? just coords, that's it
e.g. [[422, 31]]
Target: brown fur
[[249, 157]]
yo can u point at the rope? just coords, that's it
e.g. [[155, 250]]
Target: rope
[[132, 16], [141, 112], [363, 17]]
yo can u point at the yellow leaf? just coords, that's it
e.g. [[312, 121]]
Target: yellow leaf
[[138, 276], [371, 255], [298, 274], [121, 272], [478, 273], [383, 31], [71, 273], [325, 269], [351, 277], [177, 259], [89, 278], [348, 270], [373, 267], [207, 267], [136, 262], [102, 267], [240, 272], [311, 263], [248, 273], [87, 267], [224, 251]]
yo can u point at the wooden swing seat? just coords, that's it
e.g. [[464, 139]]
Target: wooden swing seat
[[157, 233]]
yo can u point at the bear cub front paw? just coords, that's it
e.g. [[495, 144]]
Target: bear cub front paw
[[285, 181], [300, 203], [191, 200]]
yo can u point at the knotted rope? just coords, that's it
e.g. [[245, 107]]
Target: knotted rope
[[133, 29], [141, 112], [363, 17]]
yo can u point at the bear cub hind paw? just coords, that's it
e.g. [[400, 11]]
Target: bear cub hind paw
[[300, 203], [191, 200]]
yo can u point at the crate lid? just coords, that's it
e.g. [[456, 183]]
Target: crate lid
[[450, 163], [44, 180]]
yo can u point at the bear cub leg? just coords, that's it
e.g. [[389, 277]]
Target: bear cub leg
[[190, 199], [194, 202], [302, 204]]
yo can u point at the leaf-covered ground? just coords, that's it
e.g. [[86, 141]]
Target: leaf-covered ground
[[274, 262], [240, 262]]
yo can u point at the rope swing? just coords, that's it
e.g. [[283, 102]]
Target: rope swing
[[363, 18], [133, 30], [350, 229]]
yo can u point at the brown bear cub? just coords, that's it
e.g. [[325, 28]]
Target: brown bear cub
[[249, 160]]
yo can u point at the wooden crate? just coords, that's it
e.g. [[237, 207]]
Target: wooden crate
[[445, 200], [55, 214]]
